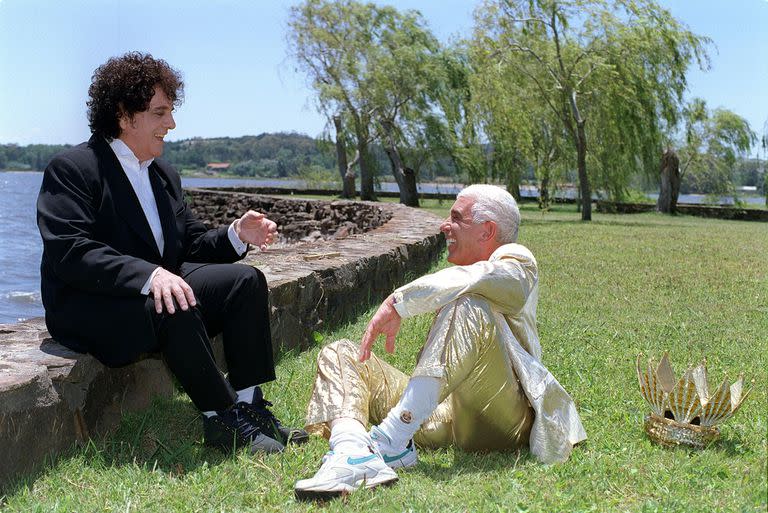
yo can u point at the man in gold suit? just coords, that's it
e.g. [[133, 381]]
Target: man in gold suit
[[479, 382]]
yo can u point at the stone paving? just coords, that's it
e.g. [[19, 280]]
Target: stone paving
[[51, 397]]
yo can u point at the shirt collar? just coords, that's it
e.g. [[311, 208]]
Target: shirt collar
[[124, 152]]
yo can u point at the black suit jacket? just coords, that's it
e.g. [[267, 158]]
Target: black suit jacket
[[98, 248]]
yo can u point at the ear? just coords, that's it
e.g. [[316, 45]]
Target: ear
[[125, 120], [489, 230]]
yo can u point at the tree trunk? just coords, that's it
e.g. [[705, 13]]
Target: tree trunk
[[348, 183], [404, 176], [581, 164], [544, 200], [409, 195], [349, 176], [585, 191], [366, 172], [513, 187], [670, 182]]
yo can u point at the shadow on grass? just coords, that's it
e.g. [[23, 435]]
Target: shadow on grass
[[732, 447], [472, 463], [167, 437]]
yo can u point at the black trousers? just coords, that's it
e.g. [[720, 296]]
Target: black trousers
[[232, 299]]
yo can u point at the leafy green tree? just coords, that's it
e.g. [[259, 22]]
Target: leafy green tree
[[714, 140], [522, 131], [612, 73], [748, 172], [455, 131], [402, 81], [376, 67], [329, 41]]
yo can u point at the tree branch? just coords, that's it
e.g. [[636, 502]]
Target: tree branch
[[586, 75], [519, 47]]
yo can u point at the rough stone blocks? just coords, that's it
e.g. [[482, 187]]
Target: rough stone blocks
[[51, 397]]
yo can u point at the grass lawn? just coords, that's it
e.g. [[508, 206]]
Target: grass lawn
[[610, 289]]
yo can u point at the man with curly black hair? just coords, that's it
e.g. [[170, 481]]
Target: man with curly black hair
[[127, 269]]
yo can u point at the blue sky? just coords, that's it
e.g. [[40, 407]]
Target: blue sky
[[239, 80]]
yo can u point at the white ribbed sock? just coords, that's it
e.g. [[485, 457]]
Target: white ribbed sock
[[417, 403], [246, 395], [243, 396], [348, 436]]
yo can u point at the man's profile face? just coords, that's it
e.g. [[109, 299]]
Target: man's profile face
[[462, 235], [144, 131]]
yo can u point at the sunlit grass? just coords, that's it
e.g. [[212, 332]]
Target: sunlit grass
[[610, 289]]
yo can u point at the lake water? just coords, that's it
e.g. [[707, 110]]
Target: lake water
[[21, 248]]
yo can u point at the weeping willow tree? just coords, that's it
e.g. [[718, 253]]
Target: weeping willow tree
[[521, 133], [713, 141], [609, 74], [374, 70]]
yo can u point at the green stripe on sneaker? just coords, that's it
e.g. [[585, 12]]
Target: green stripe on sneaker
[[359, 461], [389, 459]]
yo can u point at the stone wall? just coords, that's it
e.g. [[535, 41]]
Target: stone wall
[[51, 397], [283, 191], [716, 212], [298, 219]]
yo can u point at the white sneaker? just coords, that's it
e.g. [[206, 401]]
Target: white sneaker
[[394, 458], [344, 473]]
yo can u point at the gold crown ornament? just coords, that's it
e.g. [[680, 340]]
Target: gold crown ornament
[[683, 411]]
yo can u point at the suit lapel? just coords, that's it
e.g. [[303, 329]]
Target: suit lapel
[[160, 189], [126, 202]]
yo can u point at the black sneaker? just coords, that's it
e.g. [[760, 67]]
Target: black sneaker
[[233, 429], [258, 412]]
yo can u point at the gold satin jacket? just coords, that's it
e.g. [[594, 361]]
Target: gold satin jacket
[[508, 280]]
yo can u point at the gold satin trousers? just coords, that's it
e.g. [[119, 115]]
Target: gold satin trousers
[[482, 405]]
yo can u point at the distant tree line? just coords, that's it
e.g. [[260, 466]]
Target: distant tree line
[[268, 155], [291, 155], [276, 155], [33, 157]]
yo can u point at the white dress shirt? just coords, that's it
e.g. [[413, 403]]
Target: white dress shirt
[[138, 176]]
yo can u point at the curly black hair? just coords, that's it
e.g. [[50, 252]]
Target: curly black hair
[[124, 86]]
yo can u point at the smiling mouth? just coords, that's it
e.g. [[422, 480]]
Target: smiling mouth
[[160, 136], [450, 241]]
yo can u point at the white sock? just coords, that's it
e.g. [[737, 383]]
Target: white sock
[[417, 403], [243, 396], [348, 436], [246, 395]]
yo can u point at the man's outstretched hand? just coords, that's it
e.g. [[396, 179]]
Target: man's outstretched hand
[[254, 228], [386, 321]]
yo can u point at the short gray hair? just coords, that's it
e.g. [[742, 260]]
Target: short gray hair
[[495, 204]]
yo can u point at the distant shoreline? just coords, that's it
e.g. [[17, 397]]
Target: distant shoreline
[[752, 199]]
